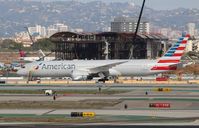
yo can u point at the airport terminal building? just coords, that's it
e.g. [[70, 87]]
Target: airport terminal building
[[70, 45]]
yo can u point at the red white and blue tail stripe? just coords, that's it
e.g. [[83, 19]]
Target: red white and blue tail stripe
[[172, 57]]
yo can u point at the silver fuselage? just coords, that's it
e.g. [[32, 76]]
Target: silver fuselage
[[65, 68]]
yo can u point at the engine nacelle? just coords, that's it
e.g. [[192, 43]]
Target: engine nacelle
[[81, 75], [76, 78]]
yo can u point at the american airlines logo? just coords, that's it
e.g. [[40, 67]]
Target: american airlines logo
[[37, 67], [58, 66]]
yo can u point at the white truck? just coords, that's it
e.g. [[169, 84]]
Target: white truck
[[49, 92]]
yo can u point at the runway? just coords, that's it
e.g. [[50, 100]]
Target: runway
[[108, 112], [183, 100], [95, 86], [79, 97]]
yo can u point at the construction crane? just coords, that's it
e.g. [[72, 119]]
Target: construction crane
[[135, 34], [29, 35], [41, 54]]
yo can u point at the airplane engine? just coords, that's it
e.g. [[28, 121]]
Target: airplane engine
[[76, 78], [81, 75]]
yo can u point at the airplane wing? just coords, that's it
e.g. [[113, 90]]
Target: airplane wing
[[105, 68]]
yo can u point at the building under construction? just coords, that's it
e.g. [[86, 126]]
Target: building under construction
[[111, 45]]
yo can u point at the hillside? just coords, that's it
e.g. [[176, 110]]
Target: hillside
[[91, 16]]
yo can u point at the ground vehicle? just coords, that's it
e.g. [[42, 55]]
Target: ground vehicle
[[49, 92]]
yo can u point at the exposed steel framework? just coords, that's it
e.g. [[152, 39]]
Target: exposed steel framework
[[70, 45]]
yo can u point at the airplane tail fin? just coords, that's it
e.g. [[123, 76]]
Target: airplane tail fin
[[174, 54], [171, 59]]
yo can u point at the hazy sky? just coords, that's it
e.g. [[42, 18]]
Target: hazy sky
[[170, 4], [156, 4]]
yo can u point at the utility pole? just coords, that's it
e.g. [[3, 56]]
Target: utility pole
[[135, 34]]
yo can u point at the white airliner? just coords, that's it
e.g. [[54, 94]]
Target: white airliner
[[87, 69]]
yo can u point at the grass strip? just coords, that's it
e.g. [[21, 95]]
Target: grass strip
[[84, 104]]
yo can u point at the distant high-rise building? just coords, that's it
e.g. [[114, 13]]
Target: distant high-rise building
[[32, 30], [191, 28], [38, 30], [43, 32], [52, 29], [60, 27], [127, 24]]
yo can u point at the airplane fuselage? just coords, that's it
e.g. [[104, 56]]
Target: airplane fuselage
[[66, 68]]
